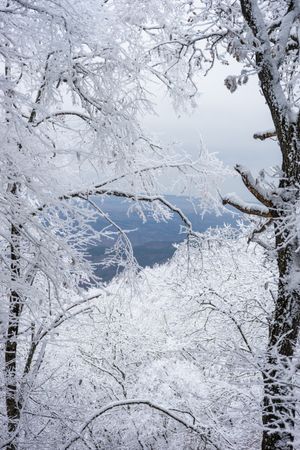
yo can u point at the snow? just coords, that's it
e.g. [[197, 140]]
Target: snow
[[178, 356], [173, 343]]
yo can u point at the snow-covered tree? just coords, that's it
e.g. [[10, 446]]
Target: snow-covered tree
[[174, 366], [73, 84], [263, 36], [75, 78]]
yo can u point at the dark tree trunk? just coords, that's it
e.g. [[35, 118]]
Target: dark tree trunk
[[279, 401], [278, 410], [15, 309]]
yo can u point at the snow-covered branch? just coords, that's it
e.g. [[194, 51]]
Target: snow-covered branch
[[253, 186], [246, 208], [201, 431], [135, 197]]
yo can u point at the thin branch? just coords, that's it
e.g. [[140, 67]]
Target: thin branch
[[82, 116], [41, 90], [146, 169], [149, 403], [127, 195], [140, 198], [63, 316]]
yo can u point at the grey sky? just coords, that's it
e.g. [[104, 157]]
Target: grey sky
[[226, 123]]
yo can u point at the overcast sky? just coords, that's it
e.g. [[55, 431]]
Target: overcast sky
[[226, 123]]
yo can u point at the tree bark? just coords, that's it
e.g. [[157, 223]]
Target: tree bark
[[15, 309], [279, 400]]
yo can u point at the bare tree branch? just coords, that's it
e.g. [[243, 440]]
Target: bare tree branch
[[262, 135]]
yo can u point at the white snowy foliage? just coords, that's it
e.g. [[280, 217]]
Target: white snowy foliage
[[71, 93], [192, 340], [73, 85], [202, 334]]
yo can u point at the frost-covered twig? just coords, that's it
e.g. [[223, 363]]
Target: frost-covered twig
[[135, 197], [203, 433]]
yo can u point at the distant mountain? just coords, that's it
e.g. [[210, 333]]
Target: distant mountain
[[152, 241]]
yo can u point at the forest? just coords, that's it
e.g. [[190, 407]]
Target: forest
[[101, 348]]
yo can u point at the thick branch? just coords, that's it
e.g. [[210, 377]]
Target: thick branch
[[253, 186], [265, 135], [246, 208]]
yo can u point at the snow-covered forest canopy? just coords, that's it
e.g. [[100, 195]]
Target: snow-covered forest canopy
[[203, 351]]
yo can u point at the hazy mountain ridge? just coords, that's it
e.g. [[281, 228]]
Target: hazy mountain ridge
[[152, 241]]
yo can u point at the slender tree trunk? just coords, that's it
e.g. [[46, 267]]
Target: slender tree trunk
[[11, 346], [13, 397], [15, 306]]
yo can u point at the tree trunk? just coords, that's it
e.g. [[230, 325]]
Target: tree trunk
[[279, 401], [278, 413], [15, 309]]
